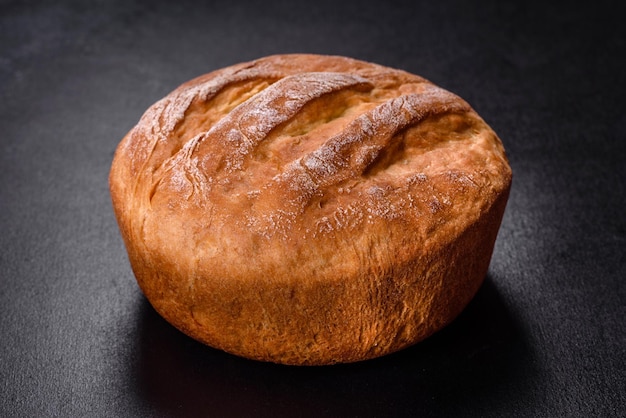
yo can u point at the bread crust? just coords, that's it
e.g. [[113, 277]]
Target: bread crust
[[309, 210]]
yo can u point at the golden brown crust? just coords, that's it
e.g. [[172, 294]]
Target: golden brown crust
[[308, 209]]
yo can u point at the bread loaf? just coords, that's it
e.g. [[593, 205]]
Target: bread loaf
[[309, 210]]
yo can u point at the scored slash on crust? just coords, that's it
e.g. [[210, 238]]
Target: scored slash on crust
[[216, 155]]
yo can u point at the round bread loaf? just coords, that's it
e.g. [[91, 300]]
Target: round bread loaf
[[306, 209]]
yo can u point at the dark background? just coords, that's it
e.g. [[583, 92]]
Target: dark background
[[545, 335]]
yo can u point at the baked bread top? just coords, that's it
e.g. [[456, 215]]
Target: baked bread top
[[297, 172]]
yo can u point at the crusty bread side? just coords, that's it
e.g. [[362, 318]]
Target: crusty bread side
[[306, 209]]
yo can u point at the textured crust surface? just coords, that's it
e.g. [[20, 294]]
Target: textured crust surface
[[307, 209]]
